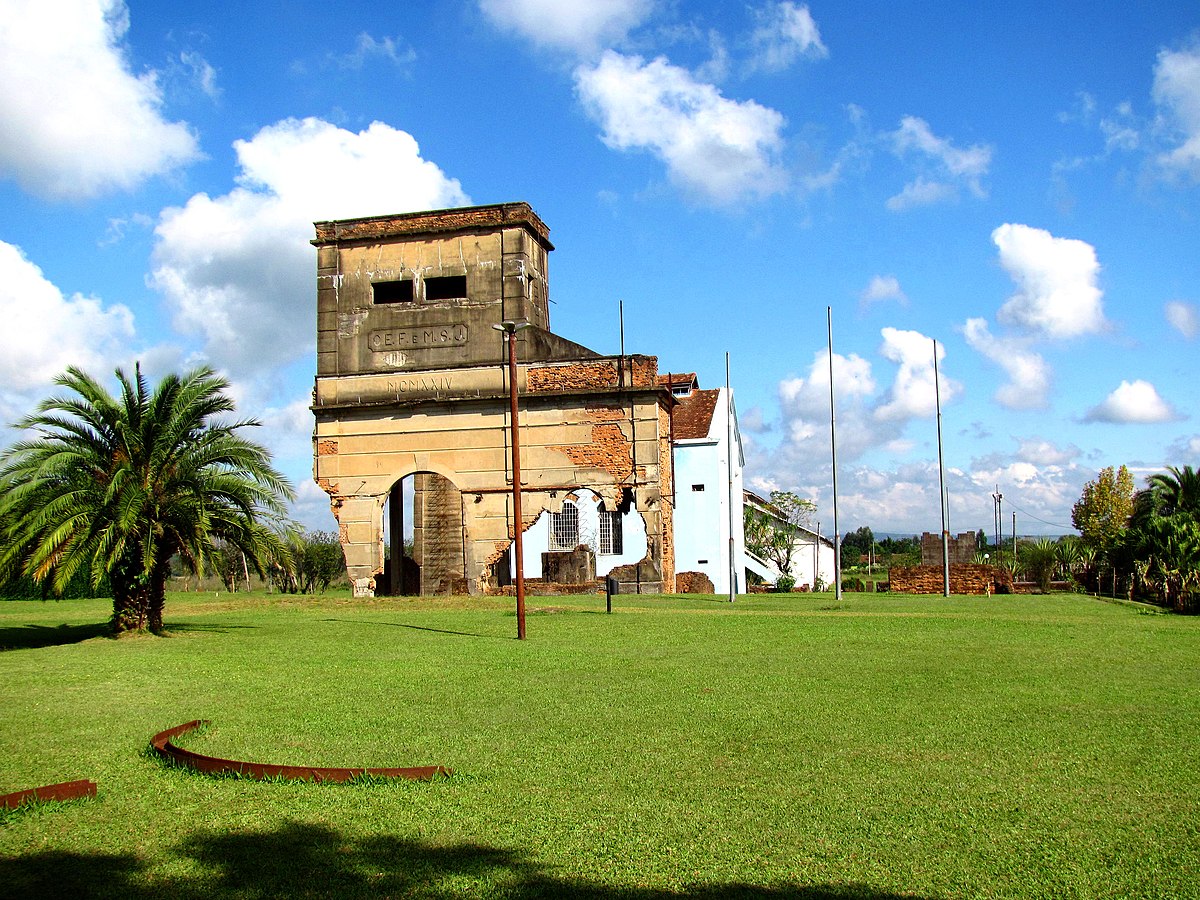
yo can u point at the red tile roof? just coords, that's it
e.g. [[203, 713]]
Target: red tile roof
[[678, 379], [693, 415]]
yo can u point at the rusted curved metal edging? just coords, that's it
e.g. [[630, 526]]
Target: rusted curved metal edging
[[212, 765], [64, 790]]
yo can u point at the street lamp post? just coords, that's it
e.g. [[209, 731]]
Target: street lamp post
[[510, 329]]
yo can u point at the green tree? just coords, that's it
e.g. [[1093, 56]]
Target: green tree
[[319, 561], [114, 486], [774, 532], [1038, 560], [856, 544], [1103, 509], [1164, 535], [1067, 554]]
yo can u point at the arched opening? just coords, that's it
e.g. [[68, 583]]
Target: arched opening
[[424, 537]]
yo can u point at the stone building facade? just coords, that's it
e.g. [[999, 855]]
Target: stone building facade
[[961, 549], [412, 380]]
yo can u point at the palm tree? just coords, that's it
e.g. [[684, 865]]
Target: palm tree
[[1164, 533], [1090, 560], [117, 486], [1176, 492], [1038, 560], [1067, 552]]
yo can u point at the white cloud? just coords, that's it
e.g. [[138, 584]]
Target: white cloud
[[581, 26], [1042, 491], [367, 48], [804, 403], [1121, 130], [718, 149], [76, 121], [883, 287], [1133, 402], [44, 332], [1040, 452], [311, 508], [1184, 318], [952, 166], [785, 32], [865, 420], [753, 421], [1057, 291], [921, 192], [202, 74], [1185, 451], [914, 393], [809, 395], [237, 270], [915, 134], [1029, 377], [1177, 93]]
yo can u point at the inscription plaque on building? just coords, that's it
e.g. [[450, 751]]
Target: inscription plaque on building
[[390, 339]]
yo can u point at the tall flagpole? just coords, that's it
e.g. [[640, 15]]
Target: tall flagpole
[[837, 543], [937, 396], [729, 474]]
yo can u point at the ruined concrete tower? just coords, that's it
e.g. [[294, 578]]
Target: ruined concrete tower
[[411, 381]]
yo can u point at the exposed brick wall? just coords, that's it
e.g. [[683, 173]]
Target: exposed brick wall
[[693, 583], [962, 549], [645, 371], [965, 578], [641, 371], [327, 448], [607, 413], [571, 377], [609, 451]]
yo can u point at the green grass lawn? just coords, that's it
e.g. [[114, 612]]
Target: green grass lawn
[[784, 746]]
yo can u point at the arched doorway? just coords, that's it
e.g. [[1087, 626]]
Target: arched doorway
[[426, 537]]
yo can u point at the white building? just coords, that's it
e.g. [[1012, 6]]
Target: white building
[[708, 462], [616, 536], [812, 556], [709, 504]]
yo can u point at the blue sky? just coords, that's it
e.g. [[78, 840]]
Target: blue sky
[[1020, 184]]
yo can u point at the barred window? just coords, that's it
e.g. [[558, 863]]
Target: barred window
[[564, 528], [611, 535]]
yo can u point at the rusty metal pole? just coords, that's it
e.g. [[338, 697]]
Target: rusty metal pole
[[510, 330]]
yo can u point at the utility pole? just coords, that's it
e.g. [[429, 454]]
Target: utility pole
[[837, 543], [510, 329], [937, 395]]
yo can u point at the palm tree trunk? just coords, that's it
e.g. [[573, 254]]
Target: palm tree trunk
[[129, 605], [157, 597], [125, 615]]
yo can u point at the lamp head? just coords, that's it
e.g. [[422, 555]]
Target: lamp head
[[511, 327]]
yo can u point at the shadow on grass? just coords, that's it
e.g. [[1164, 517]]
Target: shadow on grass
[[413, 627], [32, 637], [306, 860], [215, 628]]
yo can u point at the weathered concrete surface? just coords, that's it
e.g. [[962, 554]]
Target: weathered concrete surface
[[419, 384]]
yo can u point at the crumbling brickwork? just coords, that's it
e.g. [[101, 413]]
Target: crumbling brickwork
[[965, 578], [572, 377], [693, 583], [962, 549], [610, 451]]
